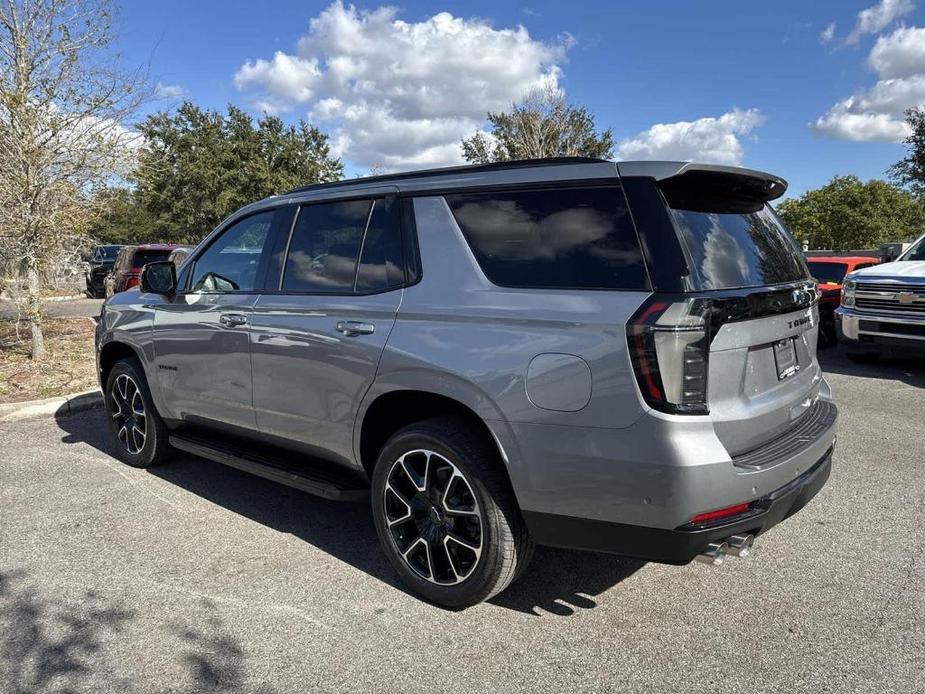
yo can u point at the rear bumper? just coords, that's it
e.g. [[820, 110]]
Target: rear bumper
[[876, 332], [681, 545]]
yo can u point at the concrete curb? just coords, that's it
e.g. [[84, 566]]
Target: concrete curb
[[61, 406]]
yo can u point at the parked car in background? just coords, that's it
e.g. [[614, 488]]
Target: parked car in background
[[829, 273], [883, 307], [615, 357], [179, 254], [126, 271], [99, 264]]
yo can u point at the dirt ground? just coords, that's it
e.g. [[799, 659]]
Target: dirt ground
[[67, 368]]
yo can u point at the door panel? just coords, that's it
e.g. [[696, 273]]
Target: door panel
[[203, 361], [309, 377], [201, 344]]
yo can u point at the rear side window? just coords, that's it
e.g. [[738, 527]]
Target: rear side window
[[731, 249], [559, 238]]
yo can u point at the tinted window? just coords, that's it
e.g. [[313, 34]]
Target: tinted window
[[324, 247], [230, 263], [142, 258], [832, 273], [381, 260], [916, 252], [558, 238], [739, 249]]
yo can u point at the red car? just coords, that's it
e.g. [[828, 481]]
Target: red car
[[126, 271], [829, 272]]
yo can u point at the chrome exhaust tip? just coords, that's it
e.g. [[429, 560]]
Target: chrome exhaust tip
[[740, 545], [713, 554]]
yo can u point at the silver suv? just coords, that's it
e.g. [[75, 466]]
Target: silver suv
[[573, 352]]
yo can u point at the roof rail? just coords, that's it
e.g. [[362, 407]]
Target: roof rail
[[449, 170]]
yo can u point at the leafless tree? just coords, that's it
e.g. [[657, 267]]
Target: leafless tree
[[64, 109], [543, 124]]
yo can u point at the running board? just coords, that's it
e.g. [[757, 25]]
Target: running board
[[320, 482]]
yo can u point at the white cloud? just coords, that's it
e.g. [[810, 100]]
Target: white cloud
[[877, 114], [827, 34], [400, 94], [878, 17], [713, 140], [169, 91], [900, 54]]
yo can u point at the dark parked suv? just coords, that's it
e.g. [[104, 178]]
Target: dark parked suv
[[98, 266], [573, 352], [126, 272]]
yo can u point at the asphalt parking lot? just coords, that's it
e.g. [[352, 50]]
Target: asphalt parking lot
[[84, 308], [196, 577]]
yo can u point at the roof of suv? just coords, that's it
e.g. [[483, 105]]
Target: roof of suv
[[532, 170]]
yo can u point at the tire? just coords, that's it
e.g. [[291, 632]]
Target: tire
[[438, 481], [140, 441], [862, 357]]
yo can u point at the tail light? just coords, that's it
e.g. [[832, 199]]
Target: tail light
[[133, 278], [727, 512], [669, 344]]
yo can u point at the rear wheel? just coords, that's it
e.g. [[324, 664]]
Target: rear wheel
[[445, 513], [140, 434]]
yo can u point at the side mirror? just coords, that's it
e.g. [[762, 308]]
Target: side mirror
[[159, 278]]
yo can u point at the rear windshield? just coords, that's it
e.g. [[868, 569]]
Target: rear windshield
[[832, 273], [730, 250], [142, 258], [561, 238]]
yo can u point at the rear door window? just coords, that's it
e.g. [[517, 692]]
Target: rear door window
[[325, 246], [346, 247], [559, 238]]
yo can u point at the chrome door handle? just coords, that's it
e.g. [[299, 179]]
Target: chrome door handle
[[352, 327], [232, 320]]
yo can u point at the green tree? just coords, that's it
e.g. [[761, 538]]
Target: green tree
[[542, 125], [120, 218], [910, 171], [199, 166], [847, 214]]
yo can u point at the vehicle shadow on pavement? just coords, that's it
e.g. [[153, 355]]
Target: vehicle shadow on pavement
[[906, 369], [558, 581], [562, 582]]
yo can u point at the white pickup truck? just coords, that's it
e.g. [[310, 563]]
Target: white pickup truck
[[883, 307]]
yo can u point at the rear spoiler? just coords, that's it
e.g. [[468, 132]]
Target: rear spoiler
[[709, 187]]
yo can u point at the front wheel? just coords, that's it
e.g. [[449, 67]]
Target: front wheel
[[446, 515], [141, 437]]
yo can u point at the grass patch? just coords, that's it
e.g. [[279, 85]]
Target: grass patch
[[69, 366]]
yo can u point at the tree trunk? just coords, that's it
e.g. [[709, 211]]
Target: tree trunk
[[34, 311]]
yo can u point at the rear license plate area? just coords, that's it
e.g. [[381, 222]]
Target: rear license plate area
[[785, 357]]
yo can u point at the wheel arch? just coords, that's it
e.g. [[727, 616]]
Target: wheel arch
[[393, 409], [113, 351]]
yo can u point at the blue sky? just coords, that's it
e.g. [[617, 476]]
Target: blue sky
[[395, 88]]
